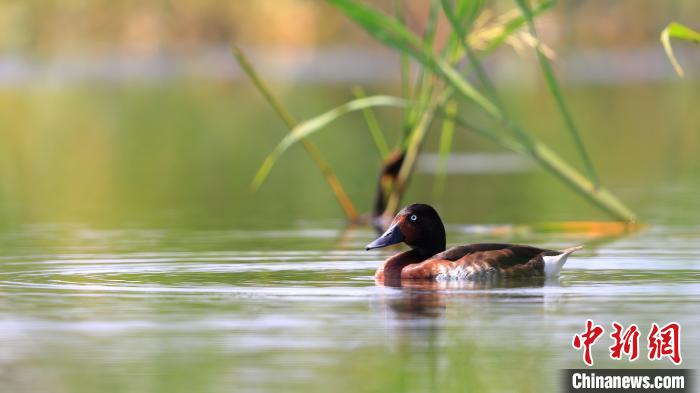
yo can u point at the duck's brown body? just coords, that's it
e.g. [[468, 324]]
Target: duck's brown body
[[469, 262], [420, 227]]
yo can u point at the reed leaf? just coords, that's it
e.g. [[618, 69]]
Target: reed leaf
[[317, 123], [460, 30], [313, 151], [262, 87], [424, 82], [373, 126], [500, 139], [467, 11], [463, 13], [550, 160], [395, 35], [405, 62], [389, 31], [446, 138], [681, 32], [513, 25], [554, 89], [431, 26], [384, 28], [413, 147]]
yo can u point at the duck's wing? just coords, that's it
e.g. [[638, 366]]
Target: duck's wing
[[504, 255], [482, 261]]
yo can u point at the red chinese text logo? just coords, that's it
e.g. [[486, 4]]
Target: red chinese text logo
[[586, 340], [661, 342], [627, 343], [665, 341]]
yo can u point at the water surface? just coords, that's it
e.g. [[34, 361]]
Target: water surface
[[87, 310]]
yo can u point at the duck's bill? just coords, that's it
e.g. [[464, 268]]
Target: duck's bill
[[391, 236]]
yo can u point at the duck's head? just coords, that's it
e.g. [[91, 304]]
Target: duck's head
[[417, 225]]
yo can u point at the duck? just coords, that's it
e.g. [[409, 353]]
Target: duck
[[420, 227]]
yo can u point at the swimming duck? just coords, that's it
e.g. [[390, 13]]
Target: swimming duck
[[420, 227]]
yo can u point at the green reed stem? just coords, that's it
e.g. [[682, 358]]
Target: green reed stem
[[554, 89], [313, 151], [373, 125], [446, 138], [551, 161]]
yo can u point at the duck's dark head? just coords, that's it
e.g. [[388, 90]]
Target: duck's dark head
[[417, 225]]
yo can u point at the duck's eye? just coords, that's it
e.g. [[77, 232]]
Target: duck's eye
[[413, 217]]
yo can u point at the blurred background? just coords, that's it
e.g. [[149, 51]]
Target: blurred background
[[134, 258], [135, 113]]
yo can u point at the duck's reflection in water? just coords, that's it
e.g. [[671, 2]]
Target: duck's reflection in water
[[428, 321], [417, 307], [422, 298]]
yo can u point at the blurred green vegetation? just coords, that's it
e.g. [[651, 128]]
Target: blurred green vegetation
[[181, 151], [185, 154]]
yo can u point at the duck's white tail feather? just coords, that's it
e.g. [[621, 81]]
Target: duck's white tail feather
[[554, 263]]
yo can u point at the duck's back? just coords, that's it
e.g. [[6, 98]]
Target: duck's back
[[482, 261]]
